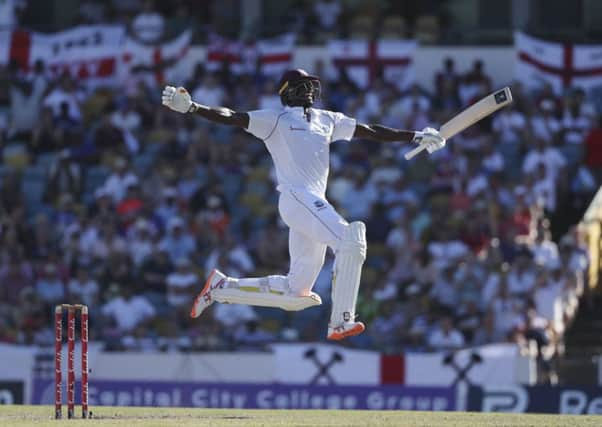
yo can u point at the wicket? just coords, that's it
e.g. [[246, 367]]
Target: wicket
[[58, 344]]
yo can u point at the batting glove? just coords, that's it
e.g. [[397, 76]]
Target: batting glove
[[432, 139], [177, 99]]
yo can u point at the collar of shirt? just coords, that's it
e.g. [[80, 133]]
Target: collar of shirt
[[295, 109]]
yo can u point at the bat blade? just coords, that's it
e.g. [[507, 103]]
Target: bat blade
[[486, 106]]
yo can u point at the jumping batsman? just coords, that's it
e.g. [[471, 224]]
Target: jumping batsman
[[298, 138]]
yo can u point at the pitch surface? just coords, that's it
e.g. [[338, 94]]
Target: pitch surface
[[13, 415]]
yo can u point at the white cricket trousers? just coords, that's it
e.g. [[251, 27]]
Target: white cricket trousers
[[314, 224]]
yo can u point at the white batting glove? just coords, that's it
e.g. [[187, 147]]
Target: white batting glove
[[431, 138], [177, 99]]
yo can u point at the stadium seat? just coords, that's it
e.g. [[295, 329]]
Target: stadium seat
[[362, 27], [427, 29], [394, 27], [95, 177], [46, 159], [33, 184]]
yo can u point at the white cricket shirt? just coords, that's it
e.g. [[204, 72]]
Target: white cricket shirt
[[300, 149]]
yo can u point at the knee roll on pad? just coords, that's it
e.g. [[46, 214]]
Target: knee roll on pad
[[353, 240]]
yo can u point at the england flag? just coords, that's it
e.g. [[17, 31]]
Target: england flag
[[364, 60], [562, 65]]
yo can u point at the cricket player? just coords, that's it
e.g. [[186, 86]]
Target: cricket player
[[298, 137]]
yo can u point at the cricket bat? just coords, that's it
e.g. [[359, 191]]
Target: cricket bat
[[486, 106]]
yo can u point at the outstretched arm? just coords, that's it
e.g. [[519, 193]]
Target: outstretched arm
[[178, 99], [428, 137], [382, 133]]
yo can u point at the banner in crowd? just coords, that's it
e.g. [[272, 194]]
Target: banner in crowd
[[270, 57], [324, 364], [363, 61], [96, 54], [156, 62], [86, 52], [329, 364], [561, 65], [535, 399], [255, 396], [489, 364]]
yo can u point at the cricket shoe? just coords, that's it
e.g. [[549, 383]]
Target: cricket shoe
[[344, 330], [203, 300]]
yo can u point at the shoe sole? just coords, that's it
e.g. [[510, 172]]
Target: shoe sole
[[356, 330], [193, 312]]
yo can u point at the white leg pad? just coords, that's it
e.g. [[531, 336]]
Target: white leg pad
[[266, 299], [349, 259]]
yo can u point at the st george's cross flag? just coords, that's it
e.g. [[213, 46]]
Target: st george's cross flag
[[364, 61], [268, 57], [562, 65]]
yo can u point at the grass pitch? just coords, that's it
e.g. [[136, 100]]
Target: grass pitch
[[13, 415]]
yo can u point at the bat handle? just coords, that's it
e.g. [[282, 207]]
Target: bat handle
[[415, 151]]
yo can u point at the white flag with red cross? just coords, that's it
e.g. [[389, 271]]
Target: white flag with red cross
[[157, 61], [221, 52], [269, 57], [563, 65], [364, 60], [275, 55], [89, 53]]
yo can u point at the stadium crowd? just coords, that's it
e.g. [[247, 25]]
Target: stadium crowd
[[109, 199]]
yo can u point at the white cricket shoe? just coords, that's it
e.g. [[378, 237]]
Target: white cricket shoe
[[344, 330], [203, 300]]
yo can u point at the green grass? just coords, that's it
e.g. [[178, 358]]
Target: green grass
[[13, 415]]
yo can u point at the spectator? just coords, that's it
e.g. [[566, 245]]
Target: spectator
[[328, 13], [446, 84], [544, 153], [182, 285], [545, 251], [575, 125], [140, 243], [544, 124], [117, 183], [83, 289], [10, 10], [510, 126], [251, 337], [126, 311], [148, 26], [49, 286], [65, 99], [445, 336], [64, 176], [44, 134], [210, 91], [126, 117], [15, 276], [521, 277], [178, 243]]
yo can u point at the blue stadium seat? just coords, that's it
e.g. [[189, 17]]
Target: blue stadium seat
[[46, 159], [33, 185], [143, 162], [95, 177]]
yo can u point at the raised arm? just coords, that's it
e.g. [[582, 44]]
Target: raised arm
[[178, 99]]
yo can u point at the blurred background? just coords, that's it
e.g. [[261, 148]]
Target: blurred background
[[483, 259]]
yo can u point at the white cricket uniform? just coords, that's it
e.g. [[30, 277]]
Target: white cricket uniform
[[301, 154]]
